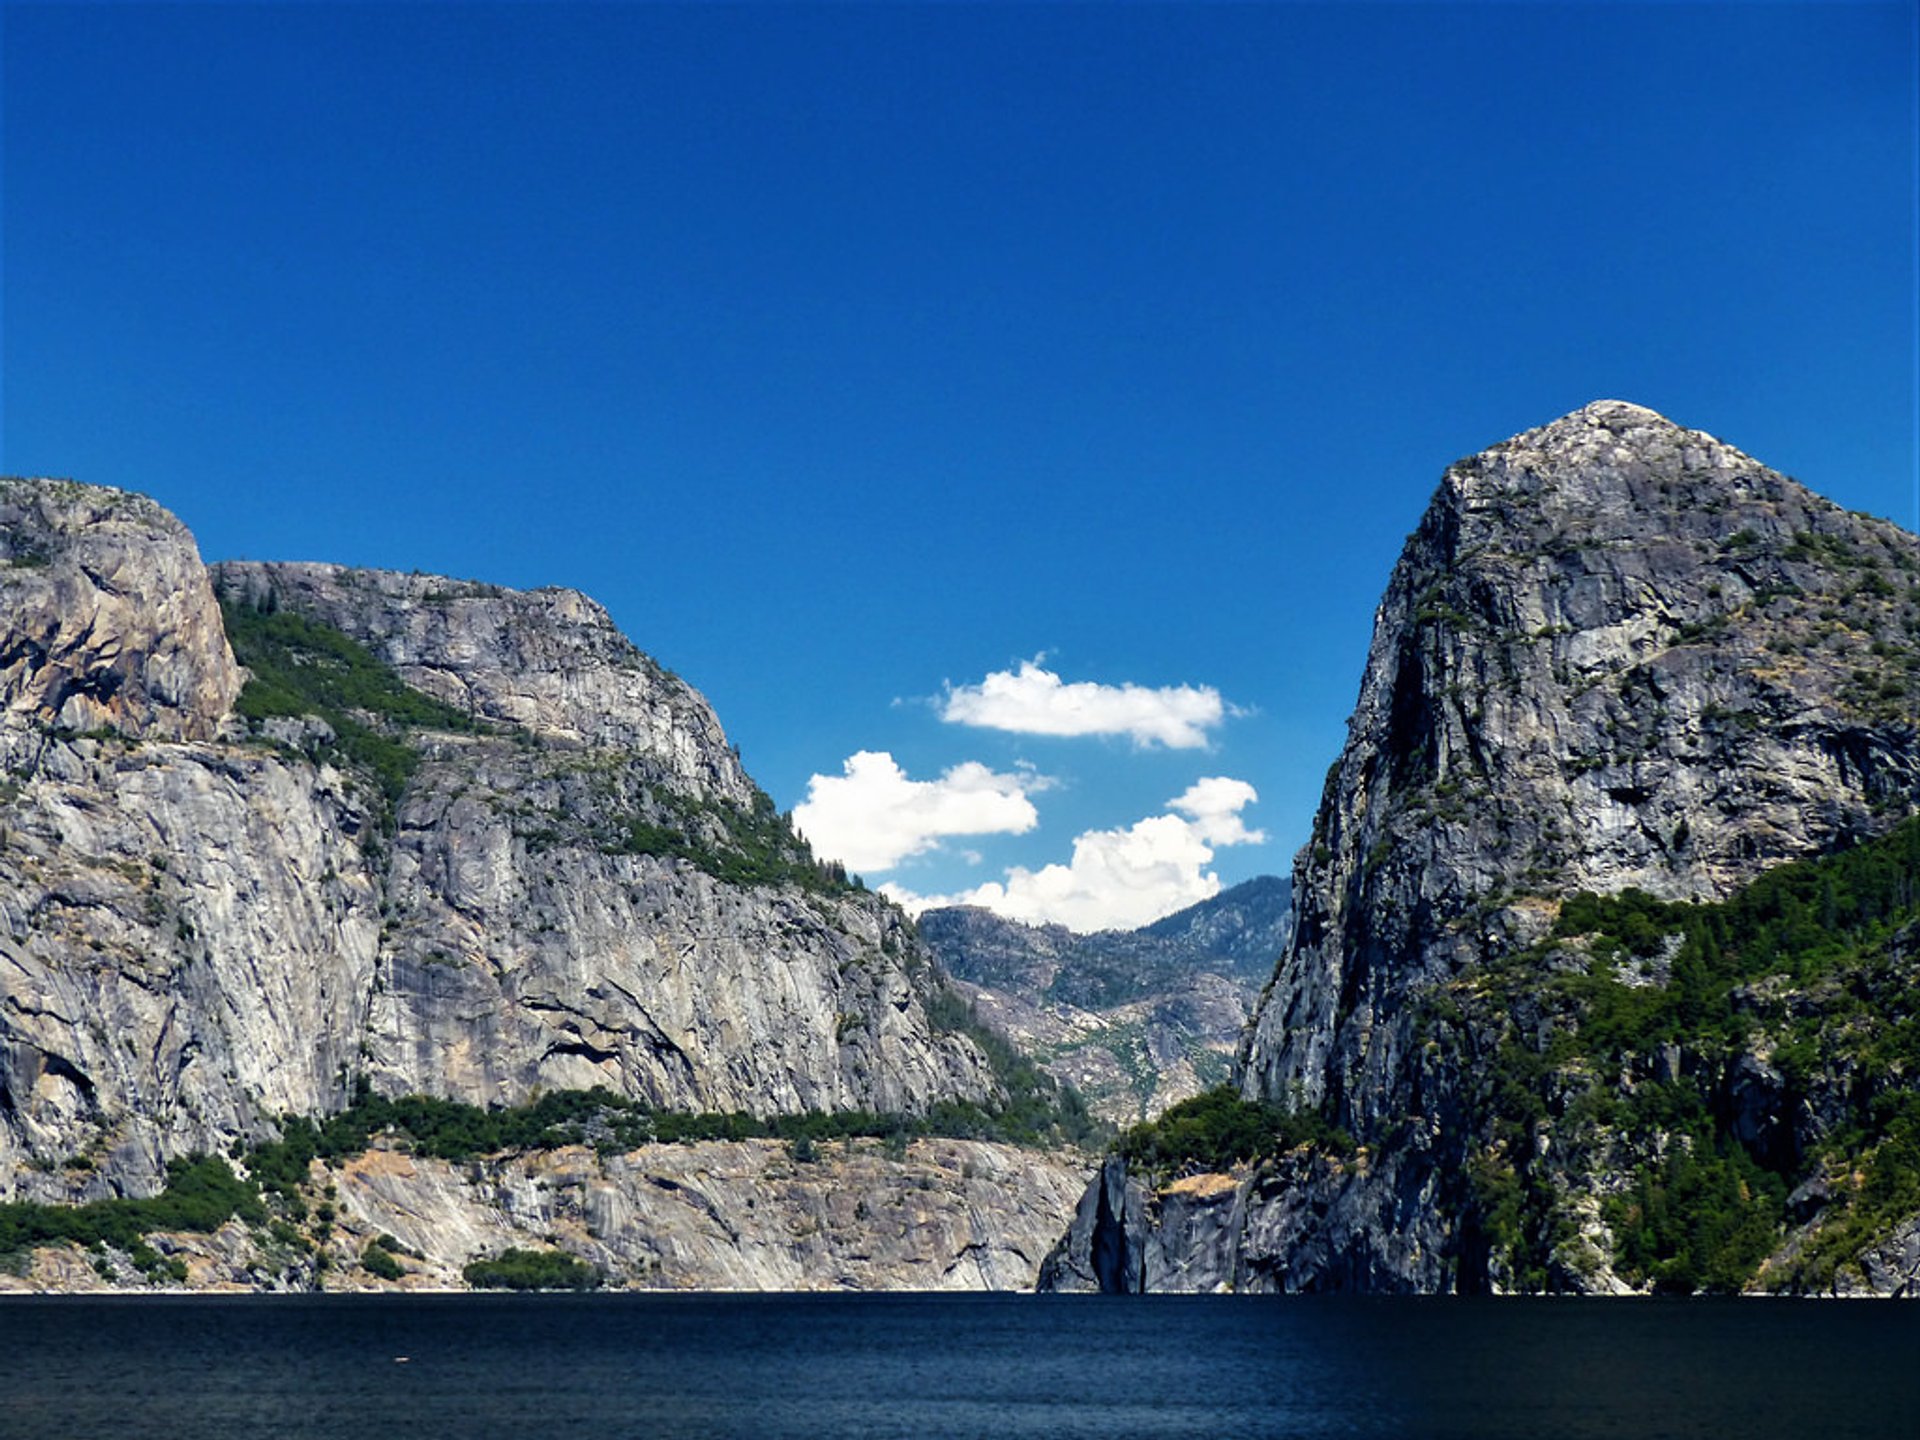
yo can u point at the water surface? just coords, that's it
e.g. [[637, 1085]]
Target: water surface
[[844, 1367]]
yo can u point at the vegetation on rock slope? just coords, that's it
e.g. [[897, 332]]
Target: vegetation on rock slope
[[742, 846], [1734, 1086], [1219, 1130], [303, 667], [204, 1193], [1714, 1073], [531, 1270]]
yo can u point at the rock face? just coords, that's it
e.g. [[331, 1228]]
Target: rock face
[[714, 1215], [204, 926], [523, 950], [1134, 1020], [1101, 1252], [188, 948], [109, 621], [945, 1215], [1304, 1223], [1615, 653], [548, 663]]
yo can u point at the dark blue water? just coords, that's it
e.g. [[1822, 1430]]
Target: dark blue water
[[707, 1367]]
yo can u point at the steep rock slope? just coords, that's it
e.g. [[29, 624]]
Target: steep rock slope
[[1134, 1020], [187, 927], [558, 878], [1615, 654], [548, 925]]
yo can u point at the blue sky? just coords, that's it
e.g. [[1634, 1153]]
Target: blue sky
[[854, 355]]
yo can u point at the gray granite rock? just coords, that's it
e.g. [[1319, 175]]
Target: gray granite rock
[[1615, 653], [107, 621], [715, 1215], [201, 930]]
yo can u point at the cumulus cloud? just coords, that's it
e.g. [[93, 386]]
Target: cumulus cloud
[[1121, 879], [1213, 805], [1035, 701], [871, 816]]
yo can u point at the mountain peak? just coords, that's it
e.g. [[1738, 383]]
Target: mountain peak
[[1619, 417], [1613, 472], [1616, 652], [1603, 412], [1596, 430], [1617, 656], [107, 620]]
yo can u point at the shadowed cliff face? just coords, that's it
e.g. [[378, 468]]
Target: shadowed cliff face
[[204, 925], [1614, 653]]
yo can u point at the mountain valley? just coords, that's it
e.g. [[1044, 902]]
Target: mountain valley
[[358, 929]]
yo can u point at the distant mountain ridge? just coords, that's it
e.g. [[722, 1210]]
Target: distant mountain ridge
[[1136, 1020], [1247, 923]]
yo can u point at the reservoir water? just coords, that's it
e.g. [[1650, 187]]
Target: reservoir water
[[863, 1367]]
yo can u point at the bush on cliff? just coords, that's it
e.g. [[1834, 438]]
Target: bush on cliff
[[531, 1270], [1219, 1130]]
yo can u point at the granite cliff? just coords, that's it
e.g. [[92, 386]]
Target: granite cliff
[[1617, 658], [434, 838]]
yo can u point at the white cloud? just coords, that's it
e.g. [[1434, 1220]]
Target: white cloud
[[1214, 805], [871, 817], [1121, 879], [1034, 701]]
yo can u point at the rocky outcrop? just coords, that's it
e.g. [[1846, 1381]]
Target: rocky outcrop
[[1134, 1020], [939, 1215], [106, 618], [1893, 1266], [548, 663], [1302, 1224], [206, 924], [1102, 1251], [1615, 654]]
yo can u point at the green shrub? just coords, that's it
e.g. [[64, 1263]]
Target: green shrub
[[1219, 1130], [379, 1262], [1697, 1222], [1037, 1111], [201, 1195], [531, 1270]]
